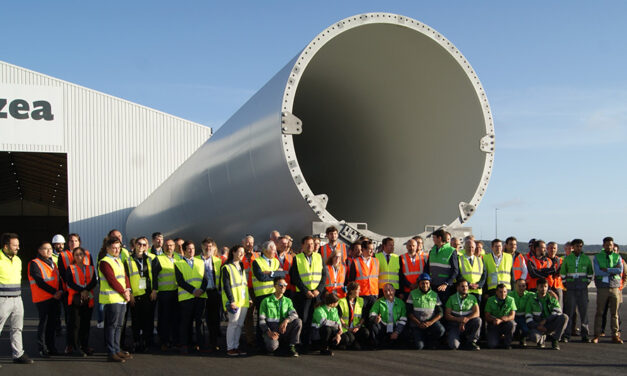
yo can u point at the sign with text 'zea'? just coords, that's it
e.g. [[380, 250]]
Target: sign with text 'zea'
[[31, 115]]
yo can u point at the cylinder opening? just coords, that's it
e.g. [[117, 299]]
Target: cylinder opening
[[391, 129]]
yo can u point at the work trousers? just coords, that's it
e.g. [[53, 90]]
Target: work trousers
[[258, 335], [604, 295], [113, 320], [290, 337], [560, 295], [471, 332], [305, 307], [381, 338], [369, 301], [358, 339], [49, 311], [249, 323], [142, 318], [577, 299], [191, 317], [505, 329], [234, 328], [430, 335], [326, 334], [12, 312], [522, 330], [555, 326], [167, 324], [78, 327], [212, 316]]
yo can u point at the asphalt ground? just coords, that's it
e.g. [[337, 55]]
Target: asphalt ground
[[574, 358]]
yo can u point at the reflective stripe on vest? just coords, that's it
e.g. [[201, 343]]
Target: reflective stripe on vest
[[326, 251], [82, 279], [439, 261], [239, 287], [518, 266], [500, 274], [134, 276], [367, 277], [310, 274], [107, 294], [335, 281], [357, 312], [413, 270], [192, 276], [264, 287], [388, 272], [166, 277], [50, 276], [10, 275], [471, 273]]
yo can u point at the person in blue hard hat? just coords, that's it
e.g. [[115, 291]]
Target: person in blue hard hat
[[424, 310]]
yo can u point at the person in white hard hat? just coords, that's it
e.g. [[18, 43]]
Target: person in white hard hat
[[58, 245]]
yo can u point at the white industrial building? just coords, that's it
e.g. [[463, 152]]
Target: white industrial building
[[77, 160]]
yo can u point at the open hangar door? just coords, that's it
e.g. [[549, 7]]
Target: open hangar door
[[33, 198]]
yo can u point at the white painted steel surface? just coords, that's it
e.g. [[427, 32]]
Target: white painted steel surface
[[118, 152], [396, 131]]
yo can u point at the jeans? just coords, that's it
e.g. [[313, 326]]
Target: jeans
[[429, 335], [291, 335], [191, 317], [113, 320], [494, 333]]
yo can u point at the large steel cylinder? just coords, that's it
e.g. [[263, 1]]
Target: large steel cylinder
[[379, 125]]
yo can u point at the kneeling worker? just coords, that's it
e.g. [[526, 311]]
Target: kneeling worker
[[462, 315], [545, 317], [388, 317], [425, 311], [500, 314], [278, 320]]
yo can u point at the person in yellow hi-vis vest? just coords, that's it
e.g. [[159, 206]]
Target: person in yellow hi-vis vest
[[115, 292]]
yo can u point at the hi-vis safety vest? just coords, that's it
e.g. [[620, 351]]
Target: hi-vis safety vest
[[193, 276], [357, 312], [327, 251], [107, 294], [335, 280], [367, 276], [262, 288], [502, 274], [166, 277], [310, 274], [471, 273], [439, 266], [50, 276], [82, 277], [239, 287], [10, 276], [137, 287], [388, 272], [413, 270]]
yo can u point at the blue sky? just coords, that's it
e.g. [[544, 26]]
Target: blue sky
[[555, 74]]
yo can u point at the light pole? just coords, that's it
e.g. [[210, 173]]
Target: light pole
[[496, 223]]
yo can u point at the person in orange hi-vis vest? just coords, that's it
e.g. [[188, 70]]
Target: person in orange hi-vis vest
[[555, 280], [519, 262], [45, 286], [365, 271], [539, 265], [81, 281], [413, 263], [285, 258], [333, 245], [336, 275]]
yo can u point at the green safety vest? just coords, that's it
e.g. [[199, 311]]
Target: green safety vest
[[388, 273], [275, 310], [399, 311], [10, 276], [134, 276], [424, 303], [612, 260], [310, 275], [193, 276], [502, 274], [166, 277], [262, 288], [107, 294], [573, 271], [461, 307], [504, 308], [471, 273], [239, 287], [325, 316], [439, 265], [357, 311], [521, 301]]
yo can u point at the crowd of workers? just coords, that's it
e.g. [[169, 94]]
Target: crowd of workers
[[316, 298]]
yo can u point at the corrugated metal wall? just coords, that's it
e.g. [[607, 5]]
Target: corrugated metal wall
[[118, 152]]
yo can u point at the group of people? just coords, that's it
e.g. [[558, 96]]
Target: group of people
[[318, 297]]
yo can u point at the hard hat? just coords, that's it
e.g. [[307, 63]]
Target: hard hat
[[58, 238]]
